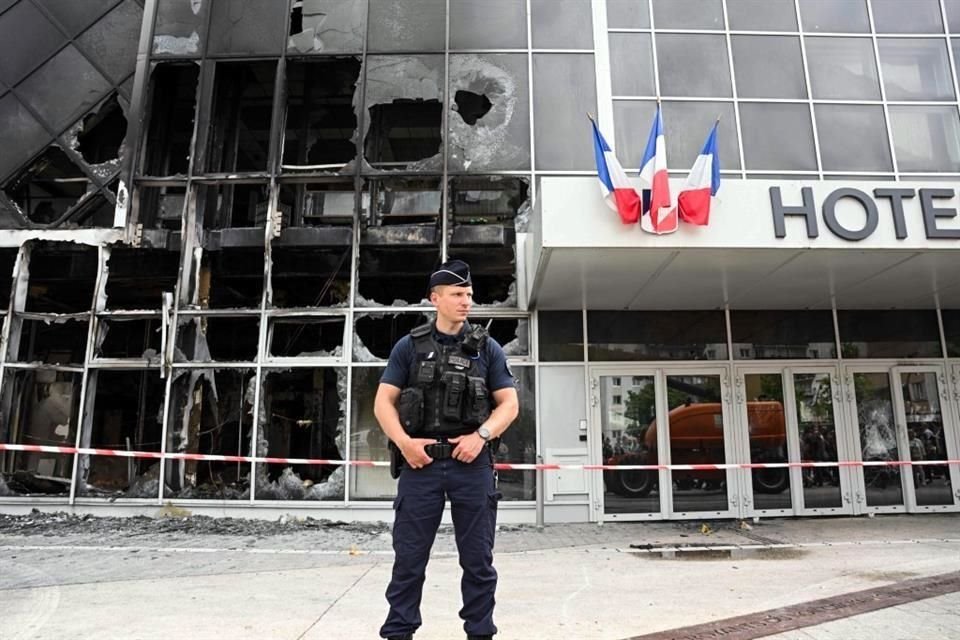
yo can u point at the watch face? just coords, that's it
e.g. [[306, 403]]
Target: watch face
[[484, 433]]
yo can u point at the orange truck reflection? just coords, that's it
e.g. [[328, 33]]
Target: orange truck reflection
[[696, 437]]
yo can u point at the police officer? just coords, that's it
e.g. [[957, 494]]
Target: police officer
[[446, 393]]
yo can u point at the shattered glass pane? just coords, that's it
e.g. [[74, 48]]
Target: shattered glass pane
[[42, 408], [62, 277], [561, 24], [122, 338], [242, 111], [321, 122], [47, 188], [556, 107], [404, 105], [64, 88], [231, 278], [76, 16], [306, 277], [367, 441], [519, 442], [8, 258], [317, 204], [492, 269], [139, 277], [377, 333], [217, 339], [304, 418], [211, 412], [491, 131], [407, 25], [54, 341], [100, 135], [20, 134], [326, 26], [127, 416], [233, 205], [180, 28], [482, 200], [162, 207], [173, 96], [306, 337], [247, 26], [406, 201], [513, 334], [492, 24], [395, 276], [112, 41], [30, 39]]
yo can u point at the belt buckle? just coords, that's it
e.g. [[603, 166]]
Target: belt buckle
[[440, 450]]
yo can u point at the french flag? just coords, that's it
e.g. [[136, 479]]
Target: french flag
[[658, 214], [694, 200], [617, 192]]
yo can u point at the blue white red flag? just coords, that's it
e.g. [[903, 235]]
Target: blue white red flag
[[699, 192], [616, 190], [658, 214]]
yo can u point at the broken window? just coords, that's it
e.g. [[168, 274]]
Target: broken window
[[407, 25], [173, 97], [211, 412], [100, 135], [247, 26], [306, 337], [40, 408], [127, 416], [310, 277], [227, 205], [487, 200], [162, 207], [406, 201], [8, 258], [326, 26], [321, 122], [52, 341], [492, 270], [519, 442], [375, 334], [404, 108], [304, 418], [62, 277], [367, 440], [138, 278], [218, 338], [239, 137], [318, 204], [231, 278], [52, 191], [124, 338], [390, 275], [180, 27], [489, 123]]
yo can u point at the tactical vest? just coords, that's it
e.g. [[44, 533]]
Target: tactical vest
[[447, 393]]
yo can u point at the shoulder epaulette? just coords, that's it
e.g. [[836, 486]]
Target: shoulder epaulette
[[422, 330]]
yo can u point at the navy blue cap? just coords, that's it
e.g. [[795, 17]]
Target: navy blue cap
[[453, 272]]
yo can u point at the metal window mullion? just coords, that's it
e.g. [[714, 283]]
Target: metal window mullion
[[603, 70], [950, 56], [883, 93], [530, 107], [940, 329], [733, 89], [653, 46], [809, 88], [445, 137]]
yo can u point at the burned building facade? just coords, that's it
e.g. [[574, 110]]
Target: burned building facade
[[217, 217]]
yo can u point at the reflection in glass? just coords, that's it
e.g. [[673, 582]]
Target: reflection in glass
[[831, 16], [926, 437], [915, 69], [951, 331], [892, 16], [878, 439], [818, 439], [926, 138], [688, 14], [889, 334], [777, 136], [560, 335], [761, 15], [367, 440], [696, 437], [769, 335], [768, 67], [629, 434], [766, 426], [407, 25], [842, 68], [519, 442], [693, 65], [657, 335], [853, 137], [631, 69]]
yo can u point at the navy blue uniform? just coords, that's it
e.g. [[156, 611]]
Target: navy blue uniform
[[421, 494]]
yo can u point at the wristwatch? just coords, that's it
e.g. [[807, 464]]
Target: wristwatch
[[484, 433]]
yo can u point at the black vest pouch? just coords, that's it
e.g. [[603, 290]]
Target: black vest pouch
[[476, 409], [410, 409], [454, 385]]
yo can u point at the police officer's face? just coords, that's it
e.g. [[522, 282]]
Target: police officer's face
[[452, 303]]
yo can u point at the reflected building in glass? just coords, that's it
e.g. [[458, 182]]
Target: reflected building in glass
[[217, 218]]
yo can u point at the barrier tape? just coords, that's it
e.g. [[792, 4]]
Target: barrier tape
[[501, 466]]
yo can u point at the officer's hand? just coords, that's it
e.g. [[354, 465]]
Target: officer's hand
[[413, 453], [468, 447]]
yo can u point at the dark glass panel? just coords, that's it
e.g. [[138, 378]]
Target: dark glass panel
[[561, 335], [889, 334], [764, 335], [656, 335]]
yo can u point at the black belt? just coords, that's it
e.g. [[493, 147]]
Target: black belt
[[440, 450]]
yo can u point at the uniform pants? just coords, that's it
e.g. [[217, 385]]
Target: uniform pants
[[421, 494]]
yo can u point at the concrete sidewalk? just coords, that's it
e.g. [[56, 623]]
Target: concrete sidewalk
[[569, 581]]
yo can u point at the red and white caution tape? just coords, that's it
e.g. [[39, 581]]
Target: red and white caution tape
[[502, 466]]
